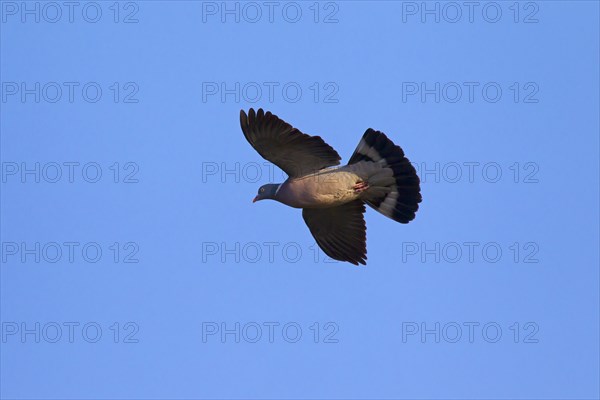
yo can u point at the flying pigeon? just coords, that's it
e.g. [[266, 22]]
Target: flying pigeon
[[332, 198]]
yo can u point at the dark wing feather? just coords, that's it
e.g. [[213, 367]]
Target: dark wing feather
[[296, 153], [340, 231]]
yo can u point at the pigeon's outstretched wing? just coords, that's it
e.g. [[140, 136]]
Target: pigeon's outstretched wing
[[340, 231], [296, 153]]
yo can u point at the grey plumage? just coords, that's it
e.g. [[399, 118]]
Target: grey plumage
[[332, 197]]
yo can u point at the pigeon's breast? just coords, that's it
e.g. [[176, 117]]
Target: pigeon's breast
[[327, 188]]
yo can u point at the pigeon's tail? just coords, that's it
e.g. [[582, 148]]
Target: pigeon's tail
[[393, 189]]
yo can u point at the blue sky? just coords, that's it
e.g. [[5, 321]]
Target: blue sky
[[134, 265]]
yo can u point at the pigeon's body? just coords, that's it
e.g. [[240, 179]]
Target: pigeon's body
[[333, 197], [329, 187]]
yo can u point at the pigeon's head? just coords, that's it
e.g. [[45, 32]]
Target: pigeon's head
[[267, 191]]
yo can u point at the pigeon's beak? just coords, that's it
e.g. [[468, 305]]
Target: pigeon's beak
[[254, 200]]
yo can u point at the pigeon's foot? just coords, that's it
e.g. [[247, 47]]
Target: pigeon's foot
[[360, 187]]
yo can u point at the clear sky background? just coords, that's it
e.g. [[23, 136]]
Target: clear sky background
[[160, 279]]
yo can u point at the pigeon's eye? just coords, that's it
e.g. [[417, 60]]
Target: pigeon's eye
[[262, 190]]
